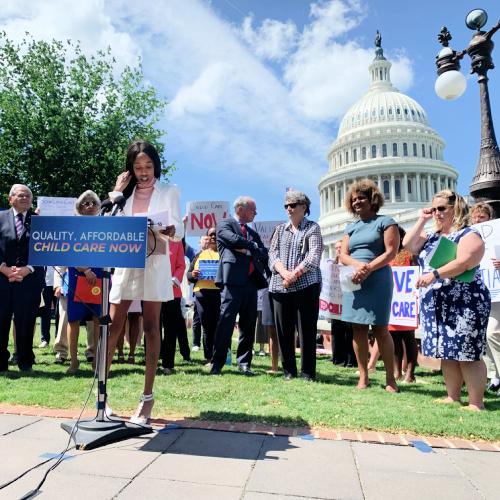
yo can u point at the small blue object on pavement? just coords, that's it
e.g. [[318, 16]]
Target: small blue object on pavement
[[307, 437], [421, 446], [168, 428]]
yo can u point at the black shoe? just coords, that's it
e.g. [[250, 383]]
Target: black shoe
[[26, 369], [245, 369], [288, 377], [493, 387], [215, 371], [307, 377]]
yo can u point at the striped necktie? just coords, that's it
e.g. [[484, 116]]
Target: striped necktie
[[19, 225]]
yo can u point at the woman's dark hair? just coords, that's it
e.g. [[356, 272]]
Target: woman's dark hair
[[209, 229], [402, 234], [134, 150]]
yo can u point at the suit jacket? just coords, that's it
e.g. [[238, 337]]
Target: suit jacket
[[14, 252], [234, 265]]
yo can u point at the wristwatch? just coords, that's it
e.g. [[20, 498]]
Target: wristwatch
[[436, 274]]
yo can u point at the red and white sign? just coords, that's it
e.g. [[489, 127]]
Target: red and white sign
[[202, 215]]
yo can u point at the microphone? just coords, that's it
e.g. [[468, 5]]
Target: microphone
[[106, 206], [118, 204]]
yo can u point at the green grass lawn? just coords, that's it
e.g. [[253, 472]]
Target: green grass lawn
[[332, 401]]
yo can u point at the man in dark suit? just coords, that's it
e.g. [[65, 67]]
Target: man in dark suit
[[243, 259], [20, 284]]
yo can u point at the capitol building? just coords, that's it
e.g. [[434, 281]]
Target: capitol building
[[386, 137]]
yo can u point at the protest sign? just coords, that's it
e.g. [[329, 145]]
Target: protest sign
[[490, 232], [266, 228], [330, 299], [404, 305], [208, 269], [53, 205], [202, 215], [88, 241]]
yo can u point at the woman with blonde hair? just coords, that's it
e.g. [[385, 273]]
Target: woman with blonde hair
[[368, 246], [453, 313]]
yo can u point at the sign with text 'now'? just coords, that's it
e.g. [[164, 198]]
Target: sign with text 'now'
[[88, 241]]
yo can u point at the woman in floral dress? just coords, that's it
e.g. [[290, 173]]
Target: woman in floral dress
[[454, 314]]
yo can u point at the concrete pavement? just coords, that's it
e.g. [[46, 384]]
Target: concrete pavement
[[177, 463]]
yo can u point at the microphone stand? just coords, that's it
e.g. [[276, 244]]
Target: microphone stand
[[102, 430]]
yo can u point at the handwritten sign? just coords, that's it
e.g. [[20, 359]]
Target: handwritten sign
[[404, 305], [202, 215], [490, 232], [330, 299], [88, 241], [54, 205], [266, 229]]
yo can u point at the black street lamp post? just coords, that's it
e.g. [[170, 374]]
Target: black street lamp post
[[450, 84]]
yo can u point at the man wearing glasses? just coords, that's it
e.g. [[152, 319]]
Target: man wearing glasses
[[243, 259]]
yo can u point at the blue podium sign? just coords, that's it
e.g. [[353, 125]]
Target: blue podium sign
[[88, 241]]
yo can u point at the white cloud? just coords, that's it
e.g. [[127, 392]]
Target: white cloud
[[229, 111], [273, 40], [85, 21]]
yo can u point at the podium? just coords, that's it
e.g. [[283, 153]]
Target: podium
[[104, 242]]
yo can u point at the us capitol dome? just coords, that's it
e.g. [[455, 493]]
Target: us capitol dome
[[386, 137]]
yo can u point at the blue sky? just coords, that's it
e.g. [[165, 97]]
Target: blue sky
[[257, 88]]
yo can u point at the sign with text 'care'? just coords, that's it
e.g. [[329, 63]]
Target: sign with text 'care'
[[202, 215], [88, 241]]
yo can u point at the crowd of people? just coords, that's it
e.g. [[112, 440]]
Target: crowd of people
[[273, 291]]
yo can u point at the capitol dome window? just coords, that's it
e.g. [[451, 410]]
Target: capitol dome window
[[363, 153], [340, 159], [405, 149], [430, 151], [384, 150], [394, 149], [409, 186], [374, 151], [390, 111], [397, 189], [354, 155], [386, 189], [414, 149], [381, 111], [346, 157], [406, 111], [398, 111], [423, 150]]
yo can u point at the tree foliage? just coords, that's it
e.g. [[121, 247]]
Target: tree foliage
[[66, 120]]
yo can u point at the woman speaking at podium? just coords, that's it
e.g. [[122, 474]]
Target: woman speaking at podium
[[144, 193]]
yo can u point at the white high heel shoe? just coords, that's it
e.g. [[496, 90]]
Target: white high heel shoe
[[143, 414]]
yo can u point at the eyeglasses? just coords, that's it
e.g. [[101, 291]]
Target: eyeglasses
[[291, 205], [441, 208], [88, 204]]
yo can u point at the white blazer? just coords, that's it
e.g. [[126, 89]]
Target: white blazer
[[154, 282]]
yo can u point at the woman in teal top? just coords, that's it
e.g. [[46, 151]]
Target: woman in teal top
[[368, 245]]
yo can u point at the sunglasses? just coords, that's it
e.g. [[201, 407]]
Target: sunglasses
[[89, 204], [291, 205], [441, 208]]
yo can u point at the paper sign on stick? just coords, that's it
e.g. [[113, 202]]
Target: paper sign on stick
[[55, 205], [202, 215]]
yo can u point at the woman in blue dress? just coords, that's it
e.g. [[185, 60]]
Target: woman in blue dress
[[453, 314], [368, 245]]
